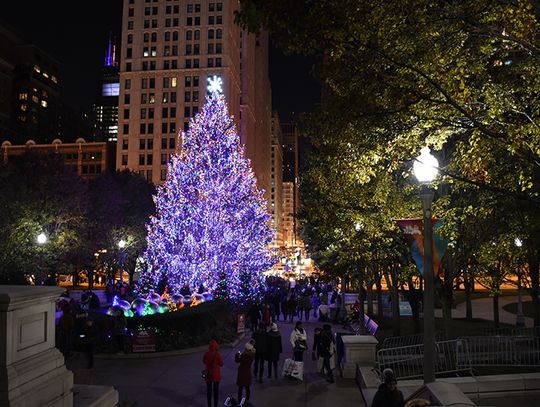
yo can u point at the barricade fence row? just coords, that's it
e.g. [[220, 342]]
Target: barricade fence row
[[462, 355]]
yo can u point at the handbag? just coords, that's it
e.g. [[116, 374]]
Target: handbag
[[301, 345]]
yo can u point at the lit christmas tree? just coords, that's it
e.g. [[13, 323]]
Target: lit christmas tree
[[211, 224]]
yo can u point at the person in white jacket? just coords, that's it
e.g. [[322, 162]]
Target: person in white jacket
[[299, 342]]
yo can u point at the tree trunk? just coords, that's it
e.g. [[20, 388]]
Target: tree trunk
[[496, 318], [369, 298], [361, 309], [380, 313], [467, 285], [414, 300], [534, 273], [392, 283]]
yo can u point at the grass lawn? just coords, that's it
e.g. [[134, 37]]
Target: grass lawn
[[528, 310]]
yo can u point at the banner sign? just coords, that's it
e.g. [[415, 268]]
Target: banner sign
[[413, 229], [241, 323], [144, 340]]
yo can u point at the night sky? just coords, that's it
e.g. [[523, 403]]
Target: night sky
[[76, 34]]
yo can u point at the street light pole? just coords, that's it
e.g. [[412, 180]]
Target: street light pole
[[426, 195], [520, 318], [425, 169]]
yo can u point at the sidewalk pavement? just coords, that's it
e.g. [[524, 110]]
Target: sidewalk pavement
[[176, 380], [483, 308]]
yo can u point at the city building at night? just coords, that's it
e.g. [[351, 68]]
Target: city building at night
[[290, 183], [276, 200], [106, 107], [169, 50], [87, 159], [30, 81]]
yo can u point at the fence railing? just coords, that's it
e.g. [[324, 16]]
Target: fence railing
[[451, 357], [462, 355], [504, 350], [407, 340]]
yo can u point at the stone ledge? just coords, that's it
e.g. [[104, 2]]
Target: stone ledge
[[94, 396]]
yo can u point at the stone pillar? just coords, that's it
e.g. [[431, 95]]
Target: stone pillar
[[359, 350], [32, 370]]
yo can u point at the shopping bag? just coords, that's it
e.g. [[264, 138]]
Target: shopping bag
[[288, 368], [298, 370]]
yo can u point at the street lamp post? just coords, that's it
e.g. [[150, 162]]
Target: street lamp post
[[122, 258], [41, 239], [520, 318], [425, 169]]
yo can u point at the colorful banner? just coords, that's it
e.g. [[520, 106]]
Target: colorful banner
[[413, 229]]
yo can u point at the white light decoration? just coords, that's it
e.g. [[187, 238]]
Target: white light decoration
[[122, 244], [41, 238], [518, 242], [426, 166], [215, 84]]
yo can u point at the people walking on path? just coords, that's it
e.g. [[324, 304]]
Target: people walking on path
[[259, 337], [89, 337], [327, 349], [299, 341], [243, 379], [274, 348], [213, 361], [387, 394]]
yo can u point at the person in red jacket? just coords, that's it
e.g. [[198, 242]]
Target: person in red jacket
[[213, 361], [243, 380]]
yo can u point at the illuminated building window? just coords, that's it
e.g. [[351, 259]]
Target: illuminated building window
[[23, 96], [37, 68], [24, 107], [173, 82], [44, 103], [35, 99], [151, 98]]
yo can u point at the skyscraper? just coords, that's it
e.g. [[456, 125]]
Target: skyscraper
[[106, 106], [290, 183], [169, 50]]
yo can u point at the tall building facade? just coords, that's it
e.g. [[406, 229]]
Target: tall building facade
[[106, 106], [169, 50], [290, 182], [29, 77], [276, 198]]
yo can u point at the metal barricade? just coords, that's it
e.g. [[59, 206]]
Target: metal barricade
[[452, 357], [504, 350], [407, 340]]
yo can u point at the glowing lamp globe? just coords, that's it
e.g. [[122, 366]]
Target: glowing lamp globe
[[42, 238], [122, 244], [426, 166]]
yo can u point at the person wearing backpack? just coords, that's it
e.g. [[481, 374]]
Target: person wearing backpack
[[212, 361]]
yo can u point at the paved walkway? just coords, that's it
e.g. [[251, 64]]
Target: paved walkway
[[483, 308], [176, 380]]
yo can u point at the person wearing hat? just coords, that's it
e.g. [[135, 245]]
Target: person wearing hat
[[243, 379], [213, 361], [274, 348], [387, 394]]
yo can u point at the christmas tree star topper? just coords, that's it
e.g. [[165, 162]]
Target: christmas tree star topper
[[215, 85]]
